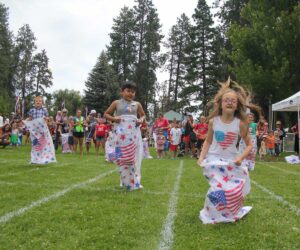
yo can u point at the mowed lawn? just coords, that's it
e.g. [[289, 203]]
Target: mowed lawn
[[78, 204]]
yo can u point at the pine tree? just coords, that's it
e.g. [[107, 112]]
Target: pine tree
[[121, 50], [42, 74], [24, 74], [176, 61], [6, 62], [200, 67], [101, 86], [148, 38]]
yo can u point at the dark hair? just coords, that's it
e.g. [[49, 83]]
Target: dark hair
[[128, 85]]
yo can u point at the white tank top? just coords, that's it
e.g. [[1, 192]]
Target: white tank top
[[225, 137]]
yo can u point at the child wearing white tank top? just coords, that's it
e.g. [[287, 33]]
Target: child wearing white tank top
[[222, 164]]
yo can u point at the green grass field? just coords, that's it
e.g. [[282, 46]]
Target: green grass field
[[78, 204]]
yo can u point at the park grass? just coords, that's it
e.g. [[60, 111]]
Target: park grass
[[101, 215]]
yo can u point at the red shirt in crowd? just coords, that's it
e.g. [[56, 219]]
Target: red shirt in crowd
[[101, 129], [161, 123], [201, 130]]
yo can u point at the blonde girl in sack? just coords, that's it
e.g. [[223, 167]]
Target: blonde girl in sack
[[222, 165]]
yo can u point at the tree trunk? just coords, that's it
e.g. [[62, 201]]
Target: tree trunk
[[170, 78]]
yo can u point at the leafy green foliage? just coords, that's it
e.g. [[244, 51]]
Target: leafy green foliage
[[71, 98], [264, 53]]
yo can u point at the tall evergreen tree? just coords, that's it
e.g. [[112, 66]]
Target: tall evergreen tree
[[176, 61], [25, 46], [200, 67], [229, 13], [41, 73], [121, 50], [148, 38], [6, 62], [101, 86]]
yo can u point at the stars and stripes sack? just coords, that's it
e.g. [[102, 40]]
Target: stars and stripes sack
[[229, 185], [146, 153], [127, 141], [249, 161], [64, 143], [42, 149], [110, 154]]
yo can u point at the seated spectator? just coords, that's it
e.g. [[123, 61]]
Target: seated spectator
[[5, 135]]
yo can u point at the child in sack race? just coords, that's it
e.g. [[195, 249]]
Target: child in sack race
[[127, 137], [222, 165]]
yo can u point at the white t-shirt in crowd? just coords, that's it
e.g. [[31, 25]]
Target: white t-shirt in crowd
[[176, 135], [1, 121]]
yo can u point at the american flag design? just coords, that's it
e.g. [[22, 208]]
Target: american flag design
[[229, 185], [125, 155], [225, 139], [39, 143], [42, 150], [127, 142], [231, 199]]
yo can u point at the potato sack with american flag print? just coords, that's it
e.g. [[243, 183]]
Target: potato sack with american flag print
[[42, 150], [128, 146], [229, 185]]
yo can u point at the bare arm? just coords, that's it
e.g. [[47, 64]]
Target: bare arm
[[111, 109], [141, 113], [245, 136], [207, 142]]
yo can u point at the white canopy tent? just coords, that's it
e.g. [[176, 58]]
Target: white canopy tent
[[290, 104]]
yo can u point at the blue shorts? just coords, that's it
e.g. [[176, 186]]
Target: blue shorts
[[271, 151], [166, 146], [70, 140]]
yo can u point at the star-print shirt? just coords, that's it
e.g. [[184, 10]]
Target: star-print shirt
[[225, 137]]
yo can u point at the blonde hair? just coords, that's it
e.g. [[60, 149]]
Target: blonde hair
[[243, 100]]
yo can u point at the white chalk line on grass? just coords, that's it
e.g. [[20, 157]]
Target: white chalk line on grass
[[8, 216], [166, 241], [282, 170], [35, 169], [293, 207]]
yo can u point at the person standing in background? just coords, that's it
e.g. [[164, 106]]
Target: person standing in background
[[281, 133], [295, 130]]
